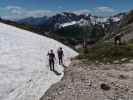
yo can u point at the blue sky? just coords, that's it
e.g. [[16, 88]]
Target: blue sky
[[15, 9]]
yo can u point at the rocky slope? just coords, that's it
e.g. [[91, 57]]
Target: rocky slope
[[94, 82], [124, 27]]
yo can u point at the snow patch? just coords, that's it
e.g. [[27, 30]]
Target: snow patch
[[116, 19], [24, 70], [68, 24]]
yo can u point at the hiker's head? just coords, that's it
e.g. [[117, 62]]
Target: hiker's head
[[60, 48], [51, 51]]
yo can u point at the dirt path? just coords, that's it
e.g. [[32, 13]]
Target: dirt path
[[93, 82]]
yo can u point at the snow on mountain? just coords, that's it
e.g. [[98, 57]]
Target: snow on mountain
[[65, 19], [81, 22], [68, 24], [24, 70], [95, 19], [116, 19], [91, 20]]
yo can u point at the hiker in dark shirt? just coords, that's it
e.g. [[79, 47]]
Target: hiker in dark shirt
[[117, 39], [60, 56], [51, 60]]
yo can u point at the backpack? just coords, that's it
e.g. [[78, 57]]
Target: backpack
[[51, 56], [60, 53]]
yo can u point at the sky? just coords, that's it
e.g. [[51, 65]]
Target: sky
[[18, 9]]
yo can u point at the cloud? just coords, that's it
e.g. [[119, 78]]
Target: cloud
[[13, 7], [60, 7], [84, 11], [16, 12], [104, 9], [39, 13]]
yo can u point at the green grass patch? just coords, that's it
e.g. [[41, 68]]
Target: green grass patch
[[108, 53]]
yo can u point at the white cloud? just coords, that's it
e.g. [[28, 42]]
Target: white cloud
[[84, 11], [13, 7], [39, 13], [60, 7], [104, 9], [16, 12]]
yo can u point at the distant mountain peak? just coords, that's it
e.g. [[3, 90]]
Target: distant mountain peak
[[69, 18]]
